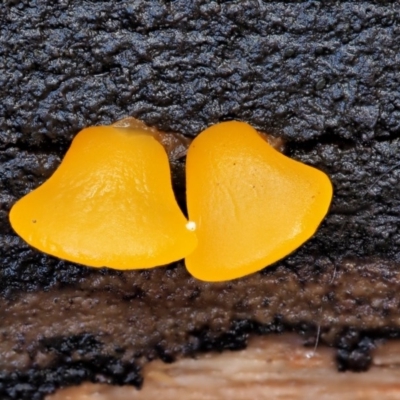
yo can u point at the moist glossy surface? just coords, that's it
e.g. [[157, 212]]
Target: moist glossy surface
[[322, 76], [252, 205], [112, 180]]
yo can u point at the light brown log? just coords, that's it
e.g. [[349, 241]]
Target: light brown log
[[270, 368]]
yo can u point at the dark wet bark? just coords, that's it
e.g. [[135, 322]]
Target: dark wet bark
[[325, 78]]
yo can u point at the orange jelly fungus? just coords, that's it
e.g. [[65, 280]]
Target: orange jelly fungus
[[251, 204], [110, 203]]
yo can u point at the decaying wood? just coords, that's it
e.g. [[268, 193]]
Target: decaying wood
[[270, 368]]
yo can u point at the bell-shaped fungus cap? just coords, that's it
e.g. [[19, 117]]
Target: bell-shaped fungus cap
[[251, 204], [110, 203]]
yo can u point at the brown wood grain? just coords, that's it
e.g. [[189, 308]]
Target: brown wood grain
[[270, 368]]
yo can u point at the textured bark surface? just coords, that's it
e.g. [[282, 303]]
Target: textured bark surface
[[270, 368], [325, 78]]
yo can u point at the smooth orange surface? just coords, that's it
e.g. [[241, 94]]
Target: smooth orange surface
[[110, 203], [252, 205]]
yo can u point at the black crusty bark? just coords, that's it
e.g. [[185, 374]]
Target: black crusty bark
[[324, 77]]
